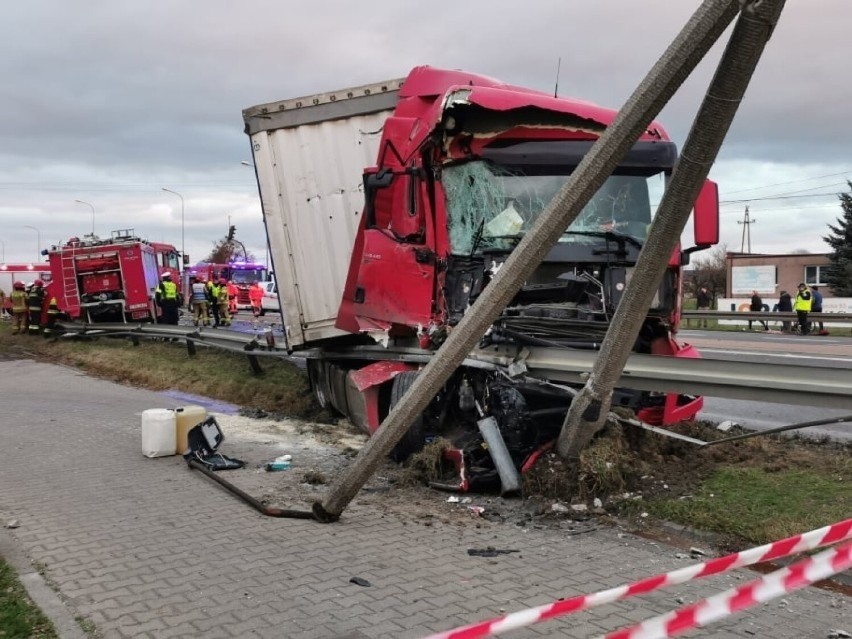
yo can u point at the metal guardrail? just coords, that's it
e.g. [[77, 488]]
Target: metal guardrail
[[811, 385], [766, 316]]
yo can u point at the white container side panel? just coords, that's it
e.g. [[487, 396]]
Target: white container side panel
[[311, 190]]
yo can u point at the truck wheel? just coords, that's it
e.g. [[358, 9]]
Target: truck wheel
[[415, 437]]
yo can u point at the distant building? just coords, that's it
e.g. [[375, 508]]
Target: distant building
[[771, 274]]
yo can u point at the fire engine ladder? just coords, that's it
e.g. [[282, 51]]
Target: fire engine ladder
[[70, 286]]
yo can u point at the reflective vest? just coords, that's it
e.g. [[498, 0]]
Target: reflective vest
[[222, 294], [19, 301], [804, 301], [169, 290]]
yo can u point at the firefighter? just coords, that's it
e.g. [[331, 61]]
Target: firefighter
[[19, 308], [213, 299], [198, 301], [35, 303], [168, 299], [224, 314], [53, 314], [232, 297], [256, 299]]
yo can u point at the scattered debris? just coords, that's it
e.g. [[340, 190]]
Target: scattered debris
[[358, 581], [477, 510], [726, 425], [452, 499], [598, 503], [697, 552], [489, 551], [838, 634], [559, 508], [279, 463], [579, 508], [13, 523], [681, 555], [315, 477]]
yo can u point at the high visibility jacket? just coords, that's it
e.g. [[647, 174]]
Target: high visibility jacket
[[168, 290], [19, 301], [256, 295], [212, 291], [222, 293], [804, 300]]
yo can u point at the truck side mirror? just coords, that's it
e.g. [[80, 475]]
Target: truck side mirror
[[381, 179], [706, 219]]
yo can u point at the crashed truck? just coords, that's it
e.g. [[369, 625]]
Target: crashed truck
[[389, 207]]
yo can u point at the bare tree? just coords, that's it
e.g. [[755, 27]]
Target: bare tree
[[710, 270]]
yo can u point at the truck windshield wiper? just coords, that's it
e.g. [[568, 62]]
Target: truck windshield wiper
[[608, 235]]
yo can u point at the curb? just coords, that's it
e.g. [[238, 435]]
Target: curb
[[40, 592]]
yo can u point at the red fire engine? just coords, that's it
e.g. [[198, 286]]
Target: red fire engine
[[241, 274], [21, 272], [108, 280]]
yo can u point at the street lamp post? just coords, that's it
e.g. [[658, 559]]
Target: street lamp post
[[38, 240], [182, 225], [91, 206]]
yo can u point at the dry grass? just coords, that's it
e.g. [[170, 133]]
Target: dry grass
[[159, 366]]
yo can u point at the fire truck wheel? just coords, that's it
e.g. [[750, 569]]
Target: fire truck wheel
[[415, 437]]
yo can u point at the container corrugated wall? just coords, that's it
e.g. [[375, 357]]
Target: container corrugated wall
[[310, 179]]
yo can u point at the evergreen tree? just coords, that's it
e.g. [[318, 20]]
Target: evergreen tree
[[839, 275]]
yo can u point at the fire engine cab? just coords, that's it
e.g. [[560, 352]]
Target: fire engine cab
[[110, 280]]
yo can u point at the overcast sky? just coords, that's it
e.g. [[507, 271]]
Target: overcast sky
[[110, 101]]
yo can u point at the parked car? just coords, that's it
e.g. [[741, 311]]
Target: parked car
[[270, 298]]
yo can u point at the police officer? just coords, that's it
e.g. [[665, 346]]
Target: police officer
[[802, 306], [168, 299]]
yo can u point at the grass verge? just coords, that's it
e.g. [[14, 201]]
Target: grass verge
[[19, 617]]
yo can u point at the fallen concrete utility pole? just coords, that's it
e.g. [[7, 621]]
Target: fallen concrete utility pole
[[589, 409], [688, 48]]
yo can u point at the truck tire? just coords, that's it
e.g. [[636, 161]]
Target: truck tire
[[415, 437]]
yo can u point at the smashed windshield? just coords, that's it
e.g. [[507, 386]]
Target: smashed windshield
[[490, 206]]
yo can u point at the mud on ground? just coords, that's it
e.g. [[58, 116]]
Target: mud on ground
[[623, 465]]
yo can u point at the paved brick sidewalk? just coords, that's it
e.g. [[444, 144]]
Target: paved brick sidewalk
[[147, 548]]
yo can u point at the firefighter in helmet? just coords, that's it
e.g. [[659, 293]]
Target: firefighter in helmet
[[53, 314], [224, 314], [168, 299], [19, 308], [35, 303]]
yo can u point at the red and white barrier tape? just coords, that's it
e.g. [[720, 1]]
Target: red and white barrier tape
[[780, 582], [825, 536]]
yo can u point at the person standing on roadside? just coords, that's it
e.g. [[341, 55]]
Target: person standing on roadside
[[256, 299], [756, 307], [198, 301], [785, 305], [213, 299], [224, 315], [703, 300], [816, 305], [168, 299], [35, 304], [19, 308], [804, 301]]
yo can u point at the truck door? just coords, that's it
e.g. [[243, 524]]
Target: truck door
[[395, 280]]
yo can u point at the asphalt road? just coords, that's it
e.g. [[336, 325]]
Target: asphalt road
[[773, 348]]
